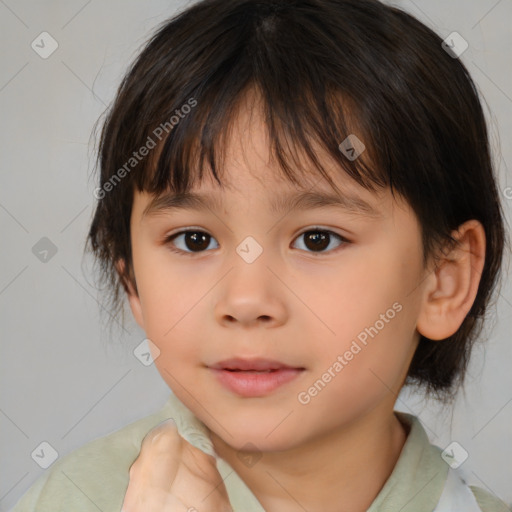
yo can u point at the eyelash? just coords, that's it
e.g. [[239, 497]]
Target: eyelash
[[168, 241]]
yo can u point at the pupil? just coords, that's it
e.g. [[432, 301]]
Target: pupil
[[199, 240], [319, 239]]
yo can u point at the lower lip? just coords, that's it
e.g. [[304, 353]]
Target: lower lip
[[251, 384]]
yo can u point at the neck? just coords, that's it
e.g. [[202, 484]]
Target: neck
[[348, 465]]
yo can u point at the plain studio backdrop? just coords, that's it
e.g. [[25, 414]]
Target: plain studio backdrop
[[63, 382]]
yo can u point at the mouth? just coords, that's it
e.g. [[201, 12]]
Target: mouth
[[254, 371], [255, 364], [254, 377]]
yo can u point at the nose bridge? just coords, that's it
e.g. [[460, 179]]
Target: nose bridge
[[250, 291]]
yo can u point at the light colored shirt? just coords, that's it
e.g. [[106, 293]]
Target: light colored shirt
[[95, 477]]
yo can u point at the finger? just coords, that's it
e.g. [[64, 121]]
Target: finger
[[198, 481], [152, 473], [170, 474], [159, 457]]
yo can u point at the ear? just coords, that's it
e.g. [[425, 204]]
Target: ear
[[451, 288], [133, 296]]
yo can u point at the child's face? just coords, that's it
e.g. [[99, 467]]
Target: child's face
[[299, 303]]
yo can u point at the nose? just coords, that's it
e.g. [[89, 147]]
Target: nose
[[250, 295]]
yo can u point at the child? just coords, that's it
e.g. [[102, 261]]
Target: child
[[348, 237]]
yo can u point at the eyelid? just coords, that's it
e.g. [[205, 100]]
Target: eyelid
[[168, 238], [322, 228], [303, 230]]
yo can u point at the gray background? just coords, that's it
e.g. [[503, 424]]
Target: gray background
[[62, 379]]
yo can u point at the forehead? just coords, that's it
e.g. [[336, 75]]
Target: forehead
[[276, 199], [241, 190], [250, 171]]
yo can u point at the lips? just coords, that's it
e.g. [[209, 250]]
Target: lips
[[254, 377], [261, 365]]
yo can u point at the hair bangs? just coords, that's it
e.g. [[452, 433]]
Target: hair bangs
[[300, 143], [308, 122]]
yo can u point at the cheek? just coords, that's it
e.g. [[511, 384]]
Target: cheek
[[166, 292], [354, 295], [371, 315], [356, 377], [179, 359], [170, 303]]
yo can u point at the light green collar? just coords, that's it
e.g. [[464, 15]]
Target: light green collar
[[415, 484]]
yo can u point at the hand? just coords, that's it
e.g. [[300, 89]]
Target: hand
[[171, 475]]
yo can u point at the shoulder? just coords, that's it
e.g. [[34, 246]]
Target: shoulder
[[488, 502], [93, 477], [421, 464]]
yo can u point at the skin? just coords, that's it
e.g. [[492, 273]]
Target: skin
[[169, 474], [300, 307]]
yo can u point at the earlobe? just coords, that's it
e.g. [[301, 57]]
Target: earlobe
[[133, 296], [451, 289]]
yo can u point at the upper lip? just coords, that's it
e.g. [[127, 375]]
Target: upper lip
[[250, 364]]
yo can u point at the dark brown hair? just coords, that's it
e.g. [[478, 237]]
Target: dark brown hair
[[317, 64]]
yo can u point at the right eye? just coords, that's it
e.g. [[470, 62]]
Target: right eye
[[191, 239]]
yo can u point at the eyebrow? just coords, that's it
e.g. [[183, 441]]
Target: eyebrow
[[279, 204]]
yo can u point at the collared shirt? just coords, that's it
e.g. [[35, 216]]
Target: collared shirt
[[95, 477]]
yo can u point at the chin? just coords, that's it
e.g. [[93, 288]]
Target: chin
[[257, 439]]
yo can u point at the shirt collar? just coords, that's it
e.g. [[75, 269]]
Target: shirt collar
[[196, 433], [418, 478], [414, 485]]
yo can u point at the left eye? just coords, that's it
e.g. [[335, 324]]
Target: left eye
[[195, 241], [319, 239]]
